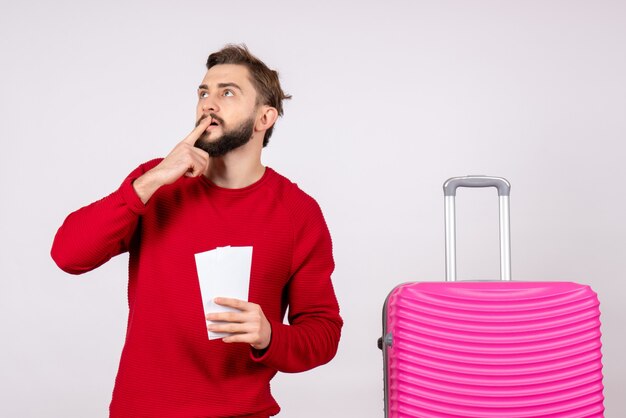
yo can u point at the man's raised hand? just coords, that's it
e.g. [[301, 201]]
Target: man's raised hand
[[183, 160]]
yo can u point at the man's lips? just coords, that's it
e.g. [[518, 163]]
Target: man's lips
[[214, 122]]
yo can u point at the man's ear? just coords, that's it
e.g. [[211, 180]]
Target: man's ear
[[266, 119]]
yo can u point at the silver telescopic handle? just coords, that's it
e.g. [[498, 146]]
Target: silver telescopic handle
[[504, 188]]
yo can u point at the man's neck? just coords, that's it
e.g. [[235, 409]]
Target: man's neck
[[235, 170]]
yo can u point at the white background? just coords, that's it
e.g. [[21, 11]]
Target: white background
[[389, 99]]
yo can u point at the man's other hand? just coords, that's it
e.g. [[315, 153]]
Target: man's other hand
[[248, 325]]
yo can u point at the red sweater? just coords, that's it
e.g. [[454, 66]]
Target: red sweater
[[168, 367]]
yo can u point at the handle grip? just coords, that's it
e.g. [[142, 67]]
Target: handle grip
[[502, 184]]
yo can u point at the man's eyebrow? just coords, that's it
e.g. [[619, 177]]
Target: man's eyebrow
[[221, 86]]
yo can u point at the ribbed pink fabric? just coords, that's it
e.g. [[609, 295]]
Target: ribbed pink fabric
[[494, 349]]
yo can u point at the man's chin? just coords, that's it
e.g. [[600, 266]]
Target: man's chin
[[205, 140], [213, 147], [202, 142], [207, 137]]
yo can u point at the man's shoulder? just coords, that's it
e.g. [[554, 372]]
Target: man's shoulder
[[294, 199], [291, 191]]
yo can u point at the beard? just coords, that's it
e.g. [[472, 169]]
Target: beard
[[230, 139]]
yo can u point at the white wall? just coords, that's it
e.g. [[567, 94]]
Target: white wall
[[390, 99]]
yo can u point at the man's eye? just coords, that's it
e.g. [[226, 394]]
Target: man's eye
[[228, 93], [203, 95]]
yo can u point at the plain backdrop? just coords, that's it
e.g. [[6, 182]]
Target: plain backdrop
[[390, 98]]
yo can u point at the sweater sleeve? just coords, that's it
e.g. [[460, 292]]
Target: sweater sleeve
[[92, 235], [314, 329]]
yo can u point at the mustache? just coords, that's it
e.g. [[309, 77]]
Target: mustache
[[215, 117]]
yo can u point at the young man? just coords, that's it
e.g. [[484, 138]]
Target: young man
[[212, 191]]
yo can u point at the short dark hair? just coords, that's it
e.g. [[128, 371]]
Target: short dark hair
[[265, 81]]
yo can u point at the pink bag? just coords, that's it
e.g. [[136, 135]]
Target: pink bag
[[491, 349]]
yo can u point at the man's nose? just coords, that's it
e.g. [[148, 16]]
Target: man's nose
[[209, 105]]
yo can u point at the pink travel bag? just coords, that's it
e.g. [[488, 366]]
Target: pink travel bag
[[487, 349]]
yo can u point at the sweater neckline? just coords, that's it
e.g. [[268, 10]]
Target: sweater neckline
[[266, 175]]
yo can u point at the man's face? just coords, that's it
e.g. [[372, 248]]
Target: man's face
[[228, 97]]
